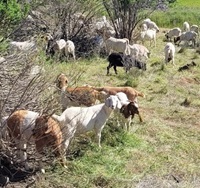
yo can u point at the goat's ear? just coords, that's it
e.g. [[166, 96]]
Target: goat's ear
[[122, 109], [119, 104], [107, 102]]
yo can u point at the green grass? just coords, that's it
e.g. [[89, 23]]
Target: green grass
[[190, 3], [179, 12]]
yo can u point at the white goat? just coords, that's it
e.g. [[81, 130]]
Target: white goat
[[175, 32], [139, 51], [186, 26], [150, 24], [194, 28], [70, 49], [117, 45], [57, 48], [78, 120], [169, 51], [148, 35], [187, 37], [61, 44], [20, 125]]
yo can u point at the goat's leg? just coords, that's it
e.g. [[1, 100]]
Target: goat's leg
[[128, 123], [74, 56], [115, 69], [21, 146], [140, 117], [69, 134], [61, 153], [40, 163], [98, 135], [108, 68]]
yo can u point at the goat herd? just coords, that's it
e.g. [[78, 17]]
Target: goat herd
[[123, 54], [56, 131]]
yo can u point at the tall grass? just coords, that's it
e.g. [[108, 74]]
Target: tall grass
[[188, 3], [174, 17]]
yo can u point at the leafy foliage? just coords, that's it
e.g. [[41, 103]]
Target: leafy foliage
[[11, 12]]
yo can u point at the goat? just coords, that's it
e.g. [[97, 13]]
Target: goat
[[56, 47], [47, 134], [117, 45], [76, 96], [139, 51], [126, 61], [174, 32], [194, 28], [129, 110], [20, 125], [169, 51], [186, 36], [78, 120], [148, 35], [187, 66], [70, 49], [186, 26], [150, 24], [131, 93]]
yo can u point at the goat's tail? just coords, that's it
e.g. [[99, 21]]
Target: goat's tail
[[140, 94]]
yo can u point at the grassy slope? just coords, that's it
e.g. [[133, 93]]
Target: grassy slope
[[178, 13], [161, 151], [186, 3]]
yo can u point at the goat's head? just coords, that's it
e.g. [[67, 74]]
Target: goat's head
[[61, 81], [140, 65], [166, 35], [176, 39], [129, 110], [113, 102]]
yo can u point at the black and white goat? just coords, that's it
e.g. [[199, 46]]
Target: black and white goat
[[122, 60]]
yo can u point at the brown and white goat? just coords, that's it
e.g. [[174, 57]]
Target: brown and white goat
[[129, 110], [84, 95], [131, 93], [47, 134], [20, 125]]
